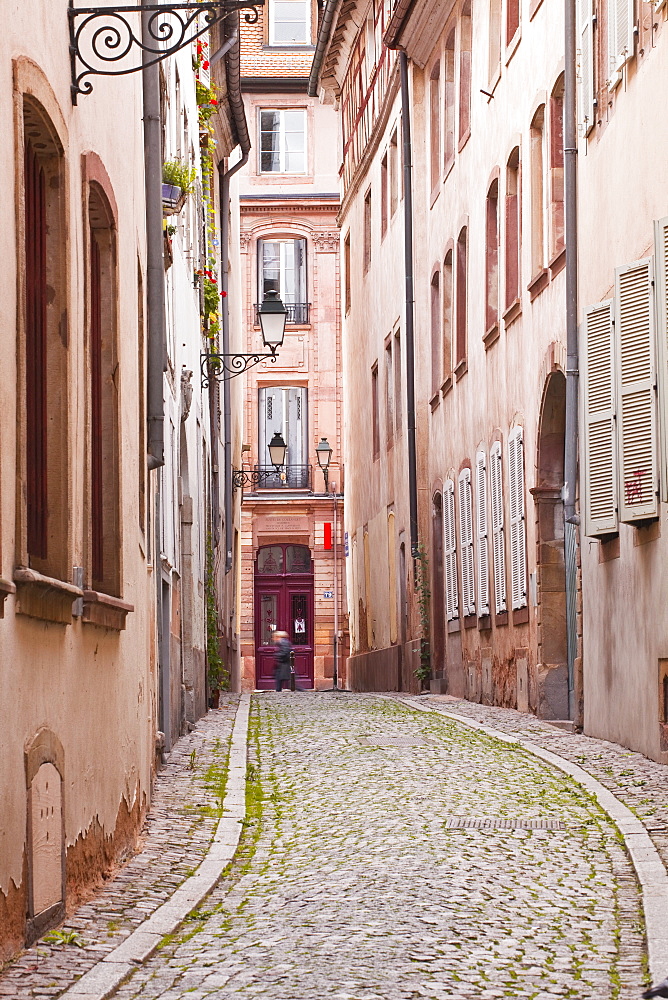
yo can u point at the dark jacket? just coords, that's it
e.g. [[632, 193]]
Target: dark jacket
[[282, 660]]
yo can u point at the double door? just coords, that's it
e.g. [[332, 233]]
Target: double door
[[284, 605]]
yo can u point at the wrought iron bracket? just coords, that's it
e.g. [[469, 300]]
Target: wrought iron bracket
[[219, 367], [108, 41], [241, 477]]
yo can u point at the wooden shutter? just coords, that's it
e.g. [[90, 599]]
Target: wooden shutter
[[600, 431], [636, 392], [517, 521], [620, 36], [466, 542], [450, 549], [586, 53], [481, 524], [498, 541], [661, 277]]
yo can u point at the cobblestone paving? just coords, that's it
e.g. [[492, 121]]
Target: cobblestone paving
[[639, 783], [178, 829], [348, 884]]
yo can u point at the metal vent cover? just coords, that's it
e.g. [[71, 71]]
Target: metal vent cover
[[499, 823]]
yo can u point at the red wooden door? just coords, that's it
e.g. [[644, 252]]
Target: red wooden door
[[284, 602]]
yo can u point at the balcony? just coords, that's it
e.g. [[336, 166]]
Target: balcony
[[297, 313], [290, 477]]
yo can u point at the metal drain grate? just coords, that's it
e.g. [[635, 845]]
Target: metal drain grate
[[395, 741], [496, 823]]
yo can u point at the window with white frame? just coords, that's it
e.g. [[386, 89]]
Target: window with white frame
[[518, 546], [450, 552], [466, 541], [282, 141], [290, 22], [282, 269], [498, 541], [481, 526]]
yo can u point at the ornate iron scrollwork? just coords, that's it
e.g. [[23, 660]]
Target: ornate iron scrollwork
[[218, 367], [108, 41], [253, 478]]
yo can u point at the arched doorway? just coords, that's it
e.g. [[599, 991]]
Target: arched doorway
[[437, 588], [552, 648], [284, 602]]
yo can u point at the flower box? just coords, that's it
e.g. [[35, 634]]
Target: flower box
[[173, 199]]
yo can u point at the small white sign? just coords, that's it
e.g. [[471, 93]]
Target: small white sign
[[328, 594]]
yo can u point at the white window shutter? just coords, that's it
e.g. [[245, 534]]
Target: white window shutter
[[636, 392], [585, 90], [600, 430], [498, 542], [466, 542], [481, 524], [517, 521], [450, 551], [620, 37], [661, 272]]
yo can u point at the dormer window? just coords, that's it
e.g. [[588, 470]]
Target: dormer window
[[283, 141], [290, 22]]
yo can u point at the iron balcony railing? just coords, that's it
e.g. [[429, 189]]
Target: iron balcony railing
[[297, 313], [290, 477]]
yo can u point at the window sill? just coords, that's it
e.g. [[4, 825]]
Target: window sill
[[464, 139], [447, 168], [533, 9], [484, 623], [493, 83], [538, 283], [511, 47], [521, 615], [104, 610], [294, 47], [435, 191], [461, 369], [491, 336], [501, 618], [470, 621], [6, 588], [453, 626], [558, 263], [435, 400], [609, 548], [447, 386], [44, 597], [512, 313]]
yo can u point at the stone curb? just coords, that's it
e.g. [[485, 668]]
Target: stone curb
[[646, 860], [103, 979]]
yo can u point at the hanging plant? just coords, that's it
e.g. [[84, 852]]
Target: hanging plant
[[423, 672]]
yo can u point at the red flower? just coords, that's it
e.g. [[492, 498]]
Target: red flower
[[224, 295], [213, 101], [205, 64]]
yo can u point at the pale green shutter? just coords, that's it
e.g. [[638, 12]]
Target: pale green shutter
[[600, 432], [636, 392], [661, 272]]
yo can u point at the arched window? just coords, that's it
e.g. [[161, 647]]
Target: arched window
[[538, 260], [447, 300], [435, 124], [492, 257], [461, 299], [282, 269], [449, 115], [436, 341], [465, 72], [557, 169], [513, 228]]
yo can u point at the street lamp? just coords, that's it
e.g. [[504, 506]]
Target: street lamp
[[277, 450], [324, 454], [273, 316], [259, 477]]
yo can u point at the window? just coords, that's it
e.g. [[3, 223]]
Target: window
[[436, 342], [383, 196], [367, 230], [585, 90], [435, 124], [557, 169], [389, 392], [537, 193], [375, 416], [492, 257], [518, 556], [449, 116], [600, 441], [44, 497], [481, 532], [461, 303], [498, 542], [465, 72], [141, 397], [450, 550], [512, 247], [621, 24], [283, 141], [394, 173], [284, 410], [447, 318], [396, 358], [494, 39], [282, 269], [346, 269], [289, 22], [465, 505], [512, 19], [104, 544]]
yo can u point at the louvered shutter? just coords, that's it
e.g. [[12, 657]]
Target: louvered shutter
[[498, 541], [636, 392], [586, 58], [517, 521], [600, 431], [481, 524], [450, 550], [620, 36], [661, 272], [466, 542]]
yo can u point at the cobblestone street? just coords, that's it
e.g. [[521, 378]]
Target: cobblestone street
[[391, 854]]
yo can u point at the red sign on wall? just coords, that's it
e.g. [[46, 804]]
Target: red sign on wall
[[328, 535]]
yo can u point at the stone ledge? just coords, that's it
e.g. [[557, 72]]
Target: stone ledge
[[6, 588], [44, 597], [104, 610]]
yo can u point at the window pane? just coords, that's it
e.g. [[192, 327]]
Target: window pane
[[270, 560], [268, 606], [283, 269], [299, 622], [290, 22], [298, 559], [270, 140]]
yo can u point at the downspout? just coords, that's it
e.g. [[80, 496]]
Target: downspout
[[410, 333], [571, 518], [324, 32]]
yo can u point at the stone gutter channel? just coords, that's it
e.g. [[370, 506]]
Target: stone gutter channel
[[104, 978], [650, 869]]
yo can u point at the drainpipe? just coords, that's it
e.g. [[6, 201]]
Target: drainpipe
[[155, 270], [410, 337], [572, 520]]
